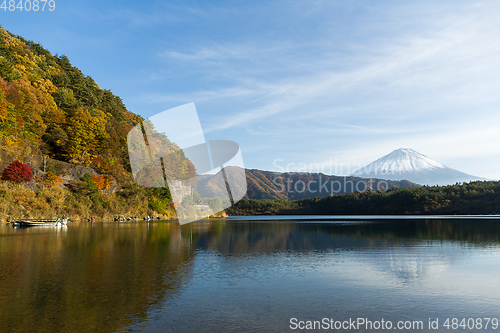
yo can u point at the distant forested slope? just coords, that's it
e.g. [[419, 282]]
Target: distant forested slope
[[480, 197]]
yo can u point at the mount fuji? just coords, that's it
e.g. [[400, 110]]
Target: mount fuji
[[405, 163]]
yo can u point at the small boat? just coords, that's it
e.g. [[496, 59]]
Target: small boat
[[40, 222]]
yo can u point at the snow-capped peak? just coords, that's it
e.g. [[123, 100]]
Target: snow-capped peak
[[405, 163], [401, 160]]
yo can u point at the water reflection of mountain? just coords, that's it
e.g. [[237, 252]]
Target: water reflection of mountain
[[411, 265], [89, 279], [268, 237], [397, 248]]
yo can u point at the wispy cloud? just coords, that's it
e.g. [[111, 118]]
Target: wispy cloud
[[201, 95], [435, 66], [156, 15], [215, 52]]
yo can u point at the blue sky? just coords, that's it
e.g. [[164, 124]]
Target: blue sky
[[329, 85]]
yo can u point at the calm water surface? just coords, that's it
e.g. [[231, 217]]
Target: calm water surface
[[241, 275]]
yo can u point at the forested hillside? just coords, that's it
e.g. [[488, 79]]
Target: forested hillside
[[63, 125], [49, 107], [480, 197]]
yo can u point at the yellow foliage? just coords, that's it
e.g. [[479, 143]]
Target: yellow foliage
[[23, 197], [54, 71], [48, 180], [45, 85], [86, 133], [32, 106], [22, 62]]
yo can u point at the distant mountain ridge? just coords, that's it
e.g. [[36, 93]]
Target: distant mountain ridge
[[301, 185], [408, 164]]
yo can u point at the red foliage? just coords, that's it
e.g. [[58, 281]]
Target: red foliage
[[17, 172]]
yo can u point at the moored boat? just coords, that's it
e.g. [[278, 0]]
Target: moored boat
[[40, 222]]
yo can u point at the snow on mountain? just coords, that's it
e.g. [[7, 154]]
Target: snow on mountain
[[402, 160], [405, 163]]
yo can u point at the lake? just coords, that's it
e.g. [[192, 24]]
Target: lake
[[253, 274]]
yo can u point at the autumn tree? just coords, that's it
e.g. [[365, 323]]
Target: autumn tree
[[103, 182], [48, 180], [17, 172], [86, 134]]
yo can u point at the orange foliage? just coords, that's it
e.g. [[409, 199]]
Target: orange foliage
[[48, 180], [103, 182], [4, 90]]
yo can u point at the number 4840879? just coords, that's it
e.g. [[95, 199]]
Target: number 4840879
[[28, 5]]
